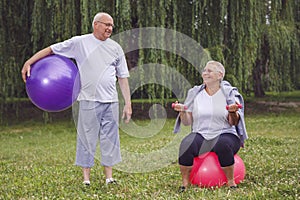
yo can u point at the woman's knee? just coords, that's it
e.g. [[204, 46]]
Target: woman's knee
[[227, 143], [187, 150], [186, 143], [222, 148]]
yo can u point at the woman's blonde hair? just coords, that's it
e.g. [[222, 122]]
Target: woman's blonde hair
[[218, 66]]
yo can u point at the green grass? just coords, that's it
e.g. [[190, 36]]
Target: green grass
[[36, 162]]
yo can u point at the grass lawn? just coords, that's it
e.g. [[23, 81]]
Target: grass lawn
[[37, 162]]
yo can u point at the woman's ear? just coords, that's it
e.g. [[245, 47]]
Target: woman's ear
[[220, 76]]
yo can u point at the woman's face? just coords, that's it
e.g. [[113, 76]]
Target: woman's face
[[210, 74]]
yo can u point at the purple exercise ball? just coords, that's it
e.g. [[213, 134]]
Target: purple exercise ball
[[54, 83]]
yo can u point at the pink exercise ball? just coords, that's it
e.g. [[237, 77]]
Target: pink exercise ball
[[207, 172]]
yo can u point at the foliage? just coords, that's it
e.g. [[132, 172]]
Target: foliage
[[36, 163], [257, 41]]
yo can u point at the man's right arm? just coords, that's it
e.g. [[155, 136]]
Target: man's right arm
[[39, 55]]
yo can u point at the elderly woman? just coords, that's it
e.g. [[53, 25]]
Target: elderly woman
[[215, 112]]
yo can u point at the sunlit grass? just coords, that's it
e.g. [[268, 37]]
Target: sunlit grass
[[279, 125], [36, 162]]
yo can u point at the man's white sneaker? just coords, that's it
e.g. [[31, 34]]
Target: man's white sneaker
[[87, 183], [111, 181]]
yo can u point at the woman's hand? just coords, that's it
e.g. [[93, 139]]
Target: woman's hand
[[233, 107], [179, 106], [233, 116], [186, 117]]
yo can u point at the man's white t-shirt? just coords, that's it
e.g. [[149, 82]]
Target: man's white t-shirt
[[99, 63]]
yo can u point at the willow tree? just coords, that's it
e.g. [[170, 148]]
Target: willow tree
[[257, 41], [14, 37], [176, 18], [276, 68], [283, 43], [240, 40], [156, 17], [208, 26], [247, 36]]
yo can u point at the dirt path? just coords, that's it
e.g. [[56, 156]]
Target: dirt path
[[271, 106]]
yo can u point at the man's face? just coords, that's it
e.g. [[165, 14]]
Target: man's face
[[103, 27]]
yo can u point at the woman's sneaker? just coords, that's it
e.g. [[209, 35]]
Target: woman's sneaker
[[181, 189]]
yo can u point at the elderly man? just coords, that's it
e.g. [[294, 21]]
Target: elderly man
[[101, 62]]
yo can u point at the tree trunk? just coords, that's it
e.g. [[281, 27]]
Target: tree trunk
[[257, 79]]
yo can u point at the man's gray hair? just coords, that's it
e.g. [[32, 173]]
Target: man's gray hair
[[98, 17]]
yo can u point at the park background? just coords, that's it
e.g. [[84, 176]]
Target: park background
[[257, 41]]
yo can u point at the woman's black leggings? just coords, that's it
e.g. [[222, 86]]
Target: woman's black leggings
[[225, 146]]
